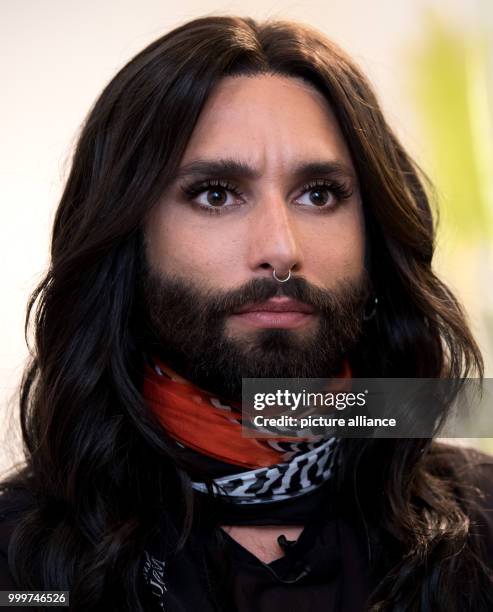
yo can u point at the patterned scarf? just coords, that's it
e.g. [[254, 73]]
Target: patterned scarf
[[280, 468]]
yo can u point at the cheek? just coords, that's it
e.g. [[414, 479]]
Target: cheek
[[336, 249], [183, 245]]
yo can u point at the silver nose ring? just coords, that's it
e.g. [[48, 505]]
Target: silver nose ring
[[281, 280]]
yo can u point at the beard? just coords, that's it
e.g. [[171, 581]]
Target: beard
[[186, 327]]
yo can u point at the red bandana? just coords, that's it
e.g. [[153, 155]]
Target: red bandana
[[206, 423]]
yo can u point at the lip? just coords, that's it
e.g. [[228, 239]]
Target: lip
[[282, 304], [275, 313]]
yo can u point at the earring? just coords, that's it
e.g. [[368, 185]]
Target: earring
[[369, 315]]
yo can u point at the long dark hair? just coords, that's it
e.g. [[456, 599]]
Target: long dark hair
[[97, 463]]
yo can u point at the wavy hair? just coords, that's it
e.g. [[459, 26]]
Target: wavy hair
[[97, 464]]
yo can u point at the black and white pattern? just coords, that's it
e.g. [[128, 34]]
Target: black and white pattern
[[303, 467], [153, 571], [305, 472]]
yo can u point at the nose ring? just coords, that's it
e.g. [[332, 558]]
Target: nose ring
[[281, 280]]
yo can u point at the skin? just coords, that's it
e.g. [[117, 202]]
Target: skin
[[272, 123]]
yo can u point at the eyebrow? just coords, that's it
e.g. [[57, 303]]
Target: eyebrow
[[233, 169]]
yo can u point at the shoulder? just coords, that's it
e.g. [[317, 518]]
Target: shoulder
[[470, 472], [13, 504]]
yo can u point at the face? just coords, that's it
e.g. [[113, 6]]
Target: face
[[266, 183]]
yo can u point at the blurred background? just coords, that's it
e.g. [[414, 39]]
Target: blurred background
[[430, 61]]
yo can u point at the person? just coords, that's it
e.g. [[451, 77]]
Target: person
[[238, 207]]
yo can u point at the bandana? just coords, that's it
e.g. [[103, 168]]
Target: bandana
[[271, 469], [282, 468]]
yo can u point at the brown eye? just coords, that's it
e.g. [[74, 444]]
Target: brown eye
[[216, 196], [324, 194], [320, 196], [212, 195]]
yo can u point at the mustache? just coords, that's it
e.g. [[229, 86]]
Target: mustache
[[261, 289], [218, 303]]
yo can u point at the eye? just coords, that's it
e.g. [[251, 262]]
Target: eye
[[214, 194], [319, 196], [324, 193]]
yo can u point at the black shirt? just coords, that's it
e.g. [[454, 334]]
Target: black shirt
[[325, 569]]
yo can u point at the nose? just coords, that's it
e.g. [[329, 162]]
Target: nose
[[273, 240]]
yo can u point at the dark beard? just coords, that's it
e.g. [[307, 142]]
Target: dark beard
[[185, 327]]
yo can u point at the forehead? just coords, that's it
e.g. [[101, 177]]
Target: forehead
[[266, 119]]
